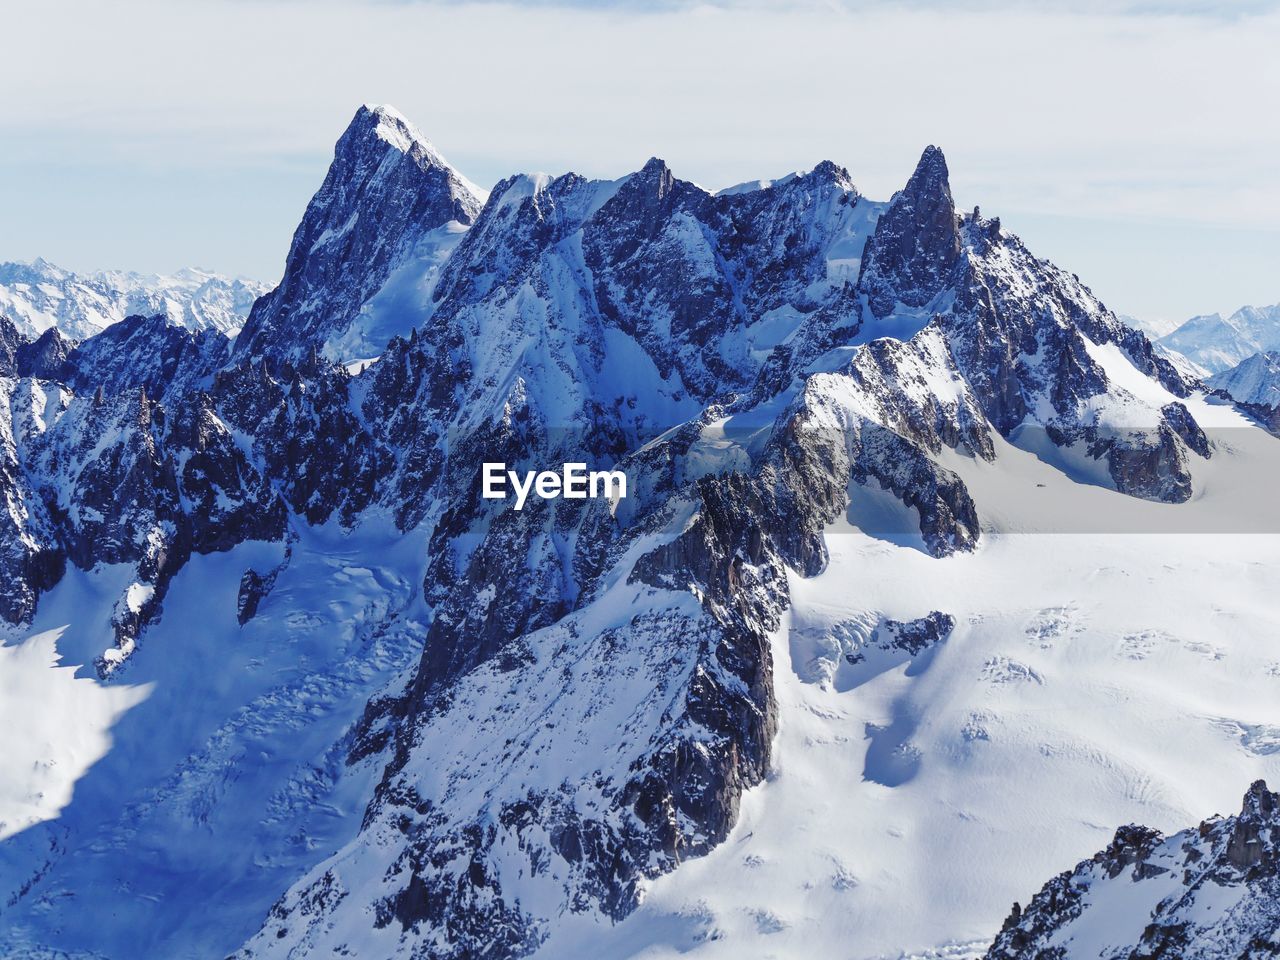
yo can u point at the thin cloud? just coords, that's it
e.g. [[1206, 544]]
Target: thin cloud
[[1158, 113]]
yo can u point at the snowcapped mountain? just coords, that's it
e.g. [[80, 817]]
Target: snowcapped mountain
[[1214, 343], [1153, 328], [1256, 380], [831, 657], [364, 259], [1255, 385], [37, 296], [1213, 891]]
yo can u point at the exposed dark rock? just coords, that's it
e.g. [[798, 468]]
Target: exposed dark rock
[[44, 358], [11, 342], [385, 190], [1184, 425], [255, 586], [1204, 893], [145, 353], [916, 243], [914, 636], [1156, 471]]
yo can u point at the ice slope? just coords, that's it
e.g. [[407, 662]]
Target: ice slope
[[168, 808], [1255, 381]]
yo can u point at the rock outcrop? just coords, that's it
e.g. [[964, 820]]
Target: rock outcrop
[[1208, 892]]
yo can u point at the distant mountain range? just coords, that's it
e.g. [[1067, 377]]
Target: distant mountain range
[[1214, 343], [1238, 356], [39, 295]]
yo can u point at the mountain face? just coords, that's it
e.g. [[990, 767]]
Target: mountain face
[[39, 296], [1216, 344], [1255, 385], [389, 202], [537, 715], [1211, 891]]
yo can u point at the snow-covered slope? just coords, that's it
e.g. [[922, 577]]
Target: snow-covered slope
[[873, 617], [160, 814], [1255, 385], [37, 296], [1203, 893], [1255, 381], [1214, 343]]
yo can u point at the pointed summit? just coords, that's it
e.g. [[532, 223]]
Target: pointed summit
[[828, 171], [381, 123], [932, 164], [387, 124], [384, 123], [642, 204], [654, 179], [656, 167], [44, 357], [386, 190], [916, 242]]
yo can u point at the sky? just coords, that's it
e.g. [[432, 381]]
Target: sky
[[1132, 143]]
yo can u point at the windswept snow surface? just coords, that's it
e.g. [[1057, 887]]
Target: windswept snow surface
[[195, 787], [1087, 684], [53, 727]]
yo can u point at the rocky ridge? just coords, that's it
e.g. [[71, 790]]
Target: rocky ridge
[[1207, 892]]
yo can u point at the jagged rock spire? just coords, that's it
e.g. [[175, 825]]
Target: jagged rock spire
[[916, 241]]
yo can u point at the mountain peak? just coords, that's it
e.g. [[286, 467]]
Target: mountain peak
[[656, 171], [384, 194], [832, 171], [932, 158], [931, 179], [384, 110], [386, 123], [1259, 802], [916, 240]]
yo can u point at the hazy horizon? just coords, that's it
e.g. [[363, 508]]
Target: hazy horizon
[[1129, 145]]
